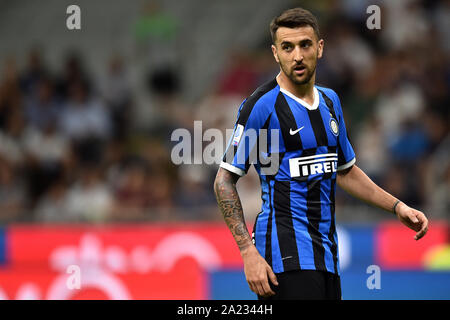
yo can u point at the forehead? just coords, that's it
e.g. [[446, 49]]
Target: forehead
[[295, 34]]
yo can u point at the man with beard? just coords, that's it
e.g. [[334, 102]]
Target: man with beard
[[293, 251]]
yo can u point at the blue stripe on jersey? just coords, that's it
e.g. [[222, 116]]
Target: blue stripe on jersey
[[337, 251], [262, 219], [325, 224], [275, 124], [238, 113], [300, 221], [277, 263], [307, 133]]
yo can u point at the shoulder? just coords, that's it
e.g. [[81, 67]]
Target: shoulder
[[330, 93], [262, 100]]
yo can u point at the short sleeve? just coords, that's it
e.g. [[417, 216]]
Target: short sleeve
[[252, 117], [346, 154]]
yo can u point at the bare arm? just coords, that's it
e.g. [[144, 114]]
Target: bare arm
[[231, 208], [257, 270], [358, 184]]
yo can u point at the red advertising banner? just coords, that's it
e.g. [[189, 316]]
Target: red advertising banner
[[395, 247], [168, 261], [114, 262]]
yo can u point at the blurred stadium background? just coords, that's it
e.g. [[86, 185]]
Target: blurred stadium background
[[86, 118]]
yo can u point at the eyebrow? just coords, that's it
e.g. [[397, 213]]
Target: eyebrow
[[285, 43], [301, 41]]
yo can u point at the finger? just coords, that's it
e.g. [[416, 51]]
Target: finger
[[423, 230], [252, 287], [266, 287], [260, 289], [272, 276], [413, 217], [420, 234], [413, 222]]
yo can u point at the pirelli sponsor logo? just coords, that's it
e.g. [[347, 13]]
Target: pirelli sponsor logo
[[310, 165]]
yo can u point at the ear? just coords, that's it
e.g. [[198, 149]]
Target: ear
[[274, 52], [320, 49]]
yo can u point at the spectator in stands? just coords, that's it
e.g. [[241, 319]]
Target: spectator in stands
[[86, 122], [192, 194], [42, 109], [12, 137], [52, 206], [84, 115], [116, 92], [10, 92], [89, 198], [48, 156], [13, 198], [33, 73], [73, 73], [132, 192]]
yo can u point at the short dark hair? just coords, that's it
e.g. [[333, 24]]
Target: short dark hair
[[294, 18]]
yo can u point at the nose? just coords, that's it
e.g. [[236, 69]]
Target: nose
[[298, 55]]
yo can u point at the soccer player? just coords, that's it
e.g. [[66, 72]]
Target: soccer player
[[293, 251]]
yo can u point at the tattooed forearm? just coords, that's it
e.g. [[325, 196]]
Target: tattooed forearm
[[231, 208]]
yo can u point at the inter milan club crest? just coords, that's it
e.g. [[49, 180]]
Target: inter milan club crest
[[334, 127]]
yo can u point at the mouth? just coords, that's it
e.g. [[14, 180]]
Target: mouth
[[299, 69]]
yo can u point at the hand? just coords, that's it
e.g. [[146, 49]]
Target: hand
[[257, 271], [413, 219]]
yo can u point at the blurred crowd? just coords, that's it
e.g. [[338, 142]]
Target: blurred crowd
[[70, 149], [67, 151]]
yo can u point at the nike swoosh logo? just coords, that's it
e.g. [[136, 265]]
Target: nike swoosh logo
[[292, 132]]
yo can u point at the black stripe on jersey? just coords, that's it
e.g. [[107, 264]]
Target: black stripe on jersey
[[268, 256], [328, 175], [284, 224], [230, 153], [252, 155], [287, 122], [333, 222], [341, 157], [313, 214], [251, 101], [329, 104], [318, 127], [333, 227], [256, 220]]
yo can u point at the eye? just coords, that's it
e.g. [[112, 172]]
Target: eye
[[286, 47]]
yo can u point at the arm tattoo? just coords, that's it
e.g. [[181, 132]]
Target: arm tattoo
[[231, 208]]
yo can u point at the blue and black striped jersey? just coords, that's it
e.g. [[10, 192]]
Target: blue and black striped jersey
[[296, 227]]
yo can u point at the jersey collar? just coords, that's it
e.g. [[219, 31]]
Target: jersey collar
[[302, 102]]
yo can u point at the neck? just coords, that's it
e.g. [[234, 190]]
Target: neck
[[303, 91]]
